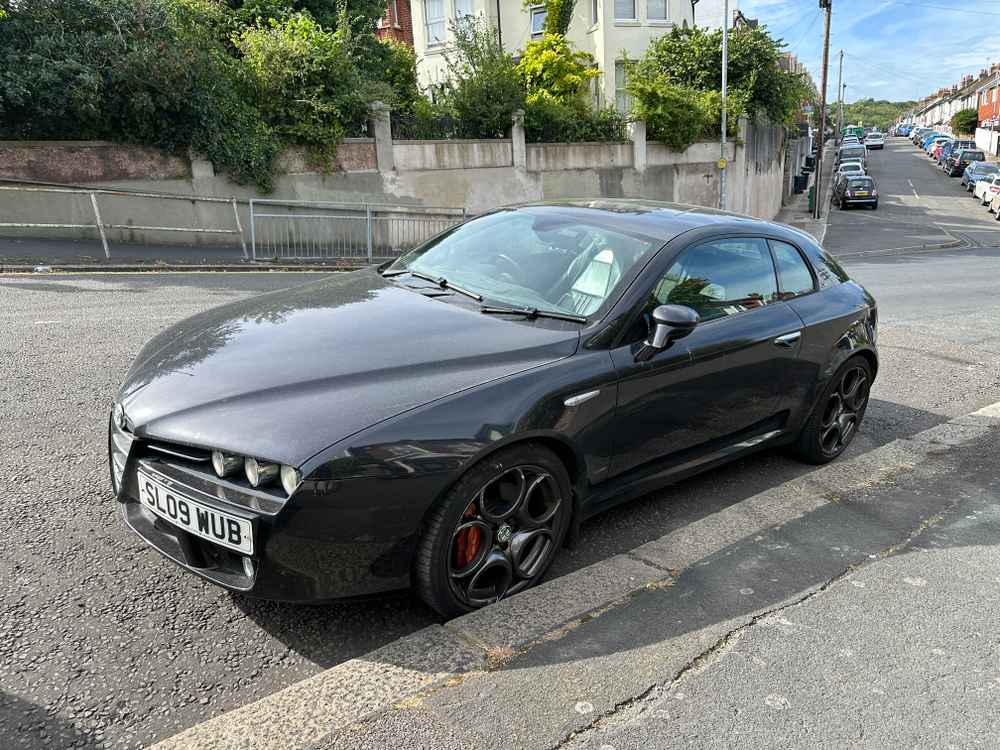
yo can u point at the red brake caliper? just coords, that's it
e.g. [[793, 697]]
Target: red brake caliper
[[467, 541]]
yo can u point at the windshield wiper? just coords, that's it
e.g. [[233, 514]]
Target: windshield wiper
[[531, 312], [437, 280]]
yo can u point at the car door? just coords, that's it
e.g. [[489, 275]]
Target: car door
[[724, 380]]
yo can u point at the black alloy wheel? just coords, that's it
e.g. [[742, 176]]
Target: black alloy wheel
[[496, 532], [838, 414]]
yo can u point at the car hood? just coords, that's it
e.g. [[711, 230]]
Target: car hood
[[284, 375]]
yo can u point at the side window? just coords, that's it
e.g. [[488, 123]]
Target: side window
[[720, 278], [794, 276]]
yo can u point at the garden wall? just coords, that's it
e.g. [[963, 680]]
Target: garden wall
[[475, 175]]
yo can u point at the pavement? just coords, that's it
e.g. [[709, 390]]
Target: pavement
[[103, 644]]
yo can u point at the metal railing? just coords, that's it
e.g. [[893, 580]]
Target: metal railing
[[323, 230], [236, 228], [279, 229]]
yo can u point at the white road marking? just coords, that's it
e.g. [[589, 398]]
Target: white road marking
[[915, 195], [46, 322]]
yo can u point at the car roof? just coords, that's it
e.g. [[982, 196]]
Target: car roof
[[658, 220]]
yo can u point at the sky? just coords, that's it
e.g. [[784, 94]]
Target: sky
[[893, 49]]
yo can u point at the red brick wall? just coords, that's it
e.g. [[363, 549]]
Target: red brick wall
[[989, 104], [399, 28]]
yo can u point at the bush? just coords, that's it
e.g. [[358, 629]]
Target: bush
[[303, 80], [965, 121], [550, 121], [150, 73], [551, 68], [675, 115], [484, 88]]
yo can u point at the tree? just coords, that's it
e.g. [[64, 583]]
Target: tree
[[692, 58], [879, 113], [965, 121], [484, 88]]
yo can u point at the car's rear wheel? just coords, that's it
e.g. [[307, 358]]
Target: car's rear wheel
[[496, 531], [838, 414]]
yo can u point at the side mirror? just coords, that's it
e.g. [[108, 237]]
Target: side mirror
[[671, 322]]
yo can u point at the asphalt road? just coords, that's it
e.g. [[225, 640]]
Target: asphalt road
[[918, 205], [103, 643]]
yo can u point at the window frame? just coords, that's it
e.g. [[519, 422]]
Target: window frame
[[777, 273], [658, 19], [534, 11], [443, 21], [635, 11]]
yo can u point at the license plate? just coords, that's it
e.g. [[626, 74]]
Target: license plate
[[861, 194], [222, 528]]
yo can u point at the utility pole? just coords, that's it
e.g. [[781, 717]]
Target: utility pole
[[818, 187], [840, 100], [725, 85]]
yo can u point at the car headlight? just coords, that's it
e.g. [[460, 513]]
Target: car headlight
[[226, 465], [259, 473], [290, 479]]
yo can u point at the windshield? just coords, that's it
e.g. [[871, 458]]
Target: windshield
[[846, 153], [972, 156], [859, 184], [988, 169], [551, 259]]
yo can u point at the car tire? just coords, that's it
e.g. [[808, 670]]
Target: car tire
[[875, 206], [843, 402], [502, 544]]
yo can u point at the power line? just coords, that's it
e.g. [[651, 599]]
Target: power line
[[953, 9]]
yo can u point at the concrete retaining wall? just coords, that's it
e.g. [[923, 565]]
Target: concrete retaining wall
[[475, 175]]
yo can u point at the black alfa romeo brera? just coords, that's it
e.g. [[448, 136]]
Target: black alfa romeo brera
[[446, 420]]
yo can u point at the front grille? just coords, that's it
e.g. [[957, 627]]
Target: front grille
[[192, 466]]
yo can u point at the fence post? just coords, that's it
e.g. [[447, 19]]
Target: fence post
[[518, 148], [368, 216], [100, 225], [639, 145], [239, 228], [253, 232], [381, 125]]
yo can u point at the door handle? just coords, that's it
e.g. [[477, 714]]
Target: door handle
[[788, 340]]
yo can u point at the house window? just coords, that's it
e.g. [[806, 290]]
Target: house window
[[623, 102], [625, 10], [656, 10], [463, 8], [394, 11], [434, 22], [538, 14], [593, 12]]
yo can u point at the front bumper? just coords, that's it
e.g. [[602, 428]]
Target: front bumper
[[325, 542], [859, 201]]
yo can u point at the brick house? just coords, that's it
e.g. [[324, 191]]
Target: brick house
[[396, 23]]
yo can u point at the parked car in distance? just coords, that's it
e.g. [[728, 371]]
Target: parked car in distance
[[995, 207], [987, 189], [918, 135], [930, 137], [855, 190], [959, 160], [853, 151], [976, 171], [930, 145], [849, 169], [948, 147], [875, 140], [443, 420]]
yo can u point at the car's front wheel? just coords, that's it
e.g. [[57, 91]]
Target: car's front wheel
[[837, 415], [496, 532]]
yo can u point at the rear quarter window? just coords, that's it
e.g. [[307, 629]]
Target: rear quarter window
[[829, 272]]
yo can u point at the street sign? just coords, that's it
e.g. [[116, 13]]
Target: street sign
[[722, 163]]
